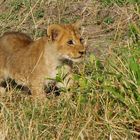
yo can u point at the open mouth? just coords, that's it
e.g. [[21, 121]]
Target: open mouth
[[79, 57], [74, 59]]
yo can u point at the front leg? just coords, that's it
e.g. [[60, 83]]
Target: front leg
[[66, 76], [36, 87], [59, 78], [52, 88]]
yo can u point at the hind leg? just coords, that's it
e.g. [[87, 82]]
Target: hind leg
[[2, 88], [13, 84], [7, 84]]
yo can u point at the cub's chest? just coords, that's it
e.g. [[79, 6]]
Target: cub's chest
[[58, 74], [51, 65]]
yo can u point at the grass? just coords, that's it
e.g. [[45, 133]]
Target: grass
[[105, 101]]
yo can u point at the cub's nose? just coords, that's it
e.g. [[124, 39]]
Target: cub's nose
[[82, 52]]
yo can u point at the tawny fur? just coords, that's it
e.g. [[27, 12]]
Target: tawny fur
[[12, 41], [32, 62]]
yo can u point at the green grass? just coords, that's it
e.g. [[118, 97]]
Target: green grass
[[105, 101], [119, 2]]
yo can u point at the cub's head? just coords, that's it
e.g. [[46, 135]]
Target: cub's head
[[68, 41]]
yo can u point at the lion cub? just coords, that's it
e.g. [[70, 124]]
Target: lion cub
[[33, 63]]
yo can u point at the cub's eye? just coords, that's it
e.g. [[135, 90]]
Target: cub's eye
[[81, 40], [70, 42]]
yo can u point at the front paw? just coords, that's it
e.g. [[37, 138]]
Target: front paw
[[52, 88]]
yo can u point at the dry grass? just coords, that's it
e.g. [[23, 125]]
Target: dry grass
[[106, 104]]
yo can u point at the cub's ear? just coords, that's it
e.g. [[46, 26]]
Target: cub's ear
[[77, 25], [54, 32]]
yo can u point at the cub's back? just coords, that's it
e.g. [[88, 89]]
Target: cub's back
[[12, 41]]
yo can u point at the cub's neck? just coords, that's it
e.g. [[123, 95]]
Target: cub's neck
[[49, 52]]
